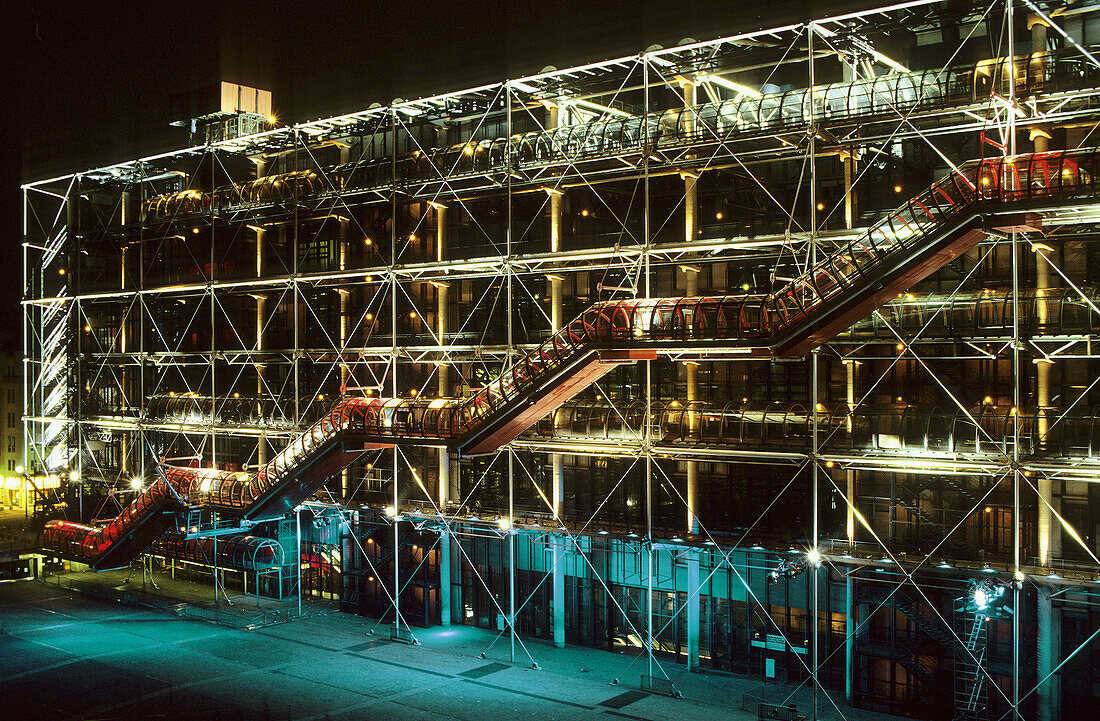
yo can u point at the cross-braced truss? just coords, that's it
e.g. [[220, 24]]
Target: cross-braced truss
[[212, 303]]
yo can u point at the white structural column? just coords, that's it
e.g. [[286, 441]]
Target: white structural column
[[1048, 622], [1048, 651], [450, 604], [558, 546], [691, 377], [1048, 531], [847, 155], [851, 367], [557, 470], [850, 629], [692, 610], [691, 289]]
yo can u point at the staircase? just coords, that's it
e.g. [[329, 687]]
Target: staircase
[[914, 508], [903, 602], [914, 241]]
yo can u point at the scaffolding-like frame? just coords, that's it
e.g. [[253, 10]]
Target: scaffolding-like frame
[[59, 332]]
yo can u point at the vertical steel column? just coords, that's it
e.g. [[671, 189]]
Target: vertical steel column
[[298, 555], [557, 467], [123, 336], [345, 295], [851, 367], [691, 371], [72, 223], [850, 626], [1048, 649], [692, 611], [648, 430], [813, 624], [214, 565], [1049, 535], [28, 312], [691, 368], [847, 155], [1047, 639], [212, 276], [510, 277], [296, 294], [447, 614], [850, 623], [261, 314], [1017, 474], [140, 297], [393, 368], [558, 550], [510, 534]]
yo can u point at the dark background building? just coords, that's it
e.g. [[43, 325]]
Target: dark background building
[[919, 468]]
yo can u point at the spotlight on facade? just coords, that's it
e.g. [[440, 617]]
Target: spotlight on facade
[[988, 598], [135, 483], [814, 557], [788, 569]]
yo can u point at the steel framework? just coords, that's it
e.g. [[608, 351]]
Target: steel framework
[[212, 303]]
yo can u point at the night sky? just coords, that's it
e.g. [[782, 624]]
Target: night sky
[[92, 80]]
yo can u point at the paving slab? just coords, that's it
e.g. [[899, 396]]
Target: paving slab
[[20, 656], [362, 675], [177, 665], [80, 686], [242, 647], [76, 656]]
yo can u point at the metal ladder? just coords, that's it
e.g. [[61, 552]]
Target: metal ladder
[[969, 677]]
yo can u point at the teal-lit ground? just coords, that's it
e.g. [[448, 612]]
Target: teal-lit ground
[[65, 655]]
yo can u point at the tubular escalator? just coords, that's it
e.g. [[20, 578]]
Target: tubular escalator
[[239, 553], [744, 116], [898, 430], [977, 199], [127, 535]]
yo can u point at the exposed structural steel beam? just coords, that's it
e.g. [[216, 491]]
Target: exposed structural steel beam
[[431, 251], [605, 336]]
